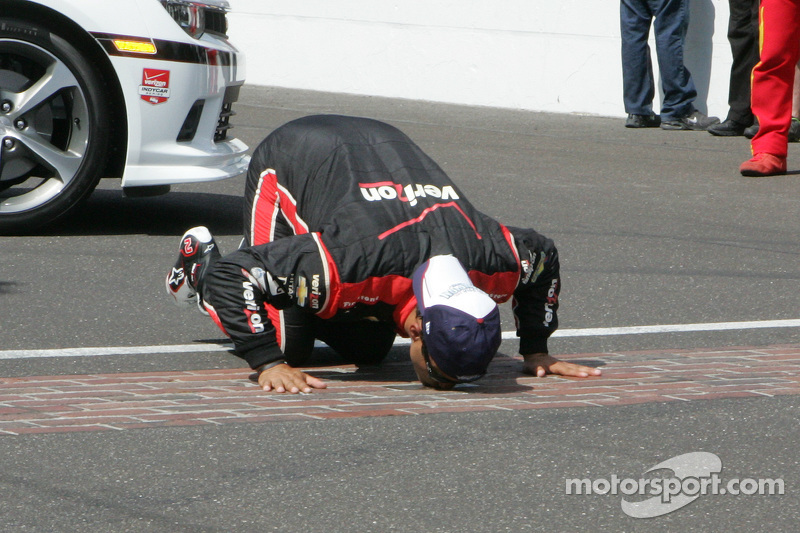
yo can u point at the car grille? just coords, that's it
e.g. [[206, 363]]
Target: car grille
[[223, 124], [216, 22]]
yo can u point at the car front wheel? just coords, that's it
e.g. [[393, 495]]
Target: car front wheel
[[54, 126]]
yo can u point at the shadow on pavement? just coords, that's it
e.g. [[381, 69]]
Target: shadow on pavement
[[7, 287], [109, 212]]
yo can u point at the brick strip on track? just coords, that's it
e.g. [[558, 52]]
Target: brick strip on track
[[97, 402]]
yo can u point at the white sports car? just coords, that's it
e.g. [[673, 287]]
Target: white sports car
[[136, 89]]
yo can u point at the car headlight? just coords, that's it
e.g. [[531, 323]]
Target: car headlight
[[197, 17]]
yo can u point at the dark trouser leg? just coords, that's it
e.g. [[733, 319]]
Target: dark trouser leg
[[638, 87], [743, 38], [671, 23]]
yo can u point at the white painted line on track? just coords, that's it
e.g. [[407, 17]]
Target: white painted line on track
[[114, 350], [678, 328], [579, 332]]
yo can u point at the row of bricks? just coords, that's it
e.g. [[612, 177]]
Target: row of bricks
[[124, 401], [120, 422]]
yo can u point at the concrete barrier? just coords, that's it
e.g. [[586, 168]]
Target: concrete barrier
[[560, 56]]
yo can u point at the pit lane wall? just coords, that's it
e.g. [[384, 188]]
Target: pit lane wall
[[557, 56]]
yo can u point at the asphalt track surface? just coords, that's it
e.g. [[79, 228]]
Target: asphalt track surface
[[119, 412]]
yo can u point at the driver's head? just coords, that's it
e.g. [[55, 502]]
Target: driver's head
[[460, 322]]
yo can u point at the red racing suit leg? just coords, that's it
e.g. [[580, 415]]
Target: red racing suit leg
[[773, 75]]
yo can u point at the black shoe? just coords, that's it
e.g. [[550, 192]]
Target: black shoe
[[794, 130], [728, 128], [696, 121], [198, 251], [643, 121]]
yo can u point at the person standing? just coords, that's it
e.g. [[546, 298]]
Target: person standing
[[743, 39], [670, 20], [773, 79]]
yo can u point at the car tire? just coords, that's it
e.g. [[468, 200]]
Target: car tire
[[54, 125]]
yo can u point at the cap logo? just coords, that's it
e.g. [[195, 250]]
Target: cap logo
[[458, 288]]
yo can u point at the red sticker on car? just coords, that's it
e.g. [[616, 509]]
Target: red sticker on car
[[155, 86]]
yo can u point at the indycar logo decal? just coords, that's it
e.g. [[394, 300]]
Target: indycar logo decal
[[155, 86]]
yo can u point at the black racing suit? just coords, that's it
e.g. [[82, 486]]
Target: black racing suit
[[339, 213]]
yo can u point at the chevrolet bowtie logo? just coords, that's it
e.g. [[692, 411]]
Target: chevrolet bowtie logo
[[302, 292]]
